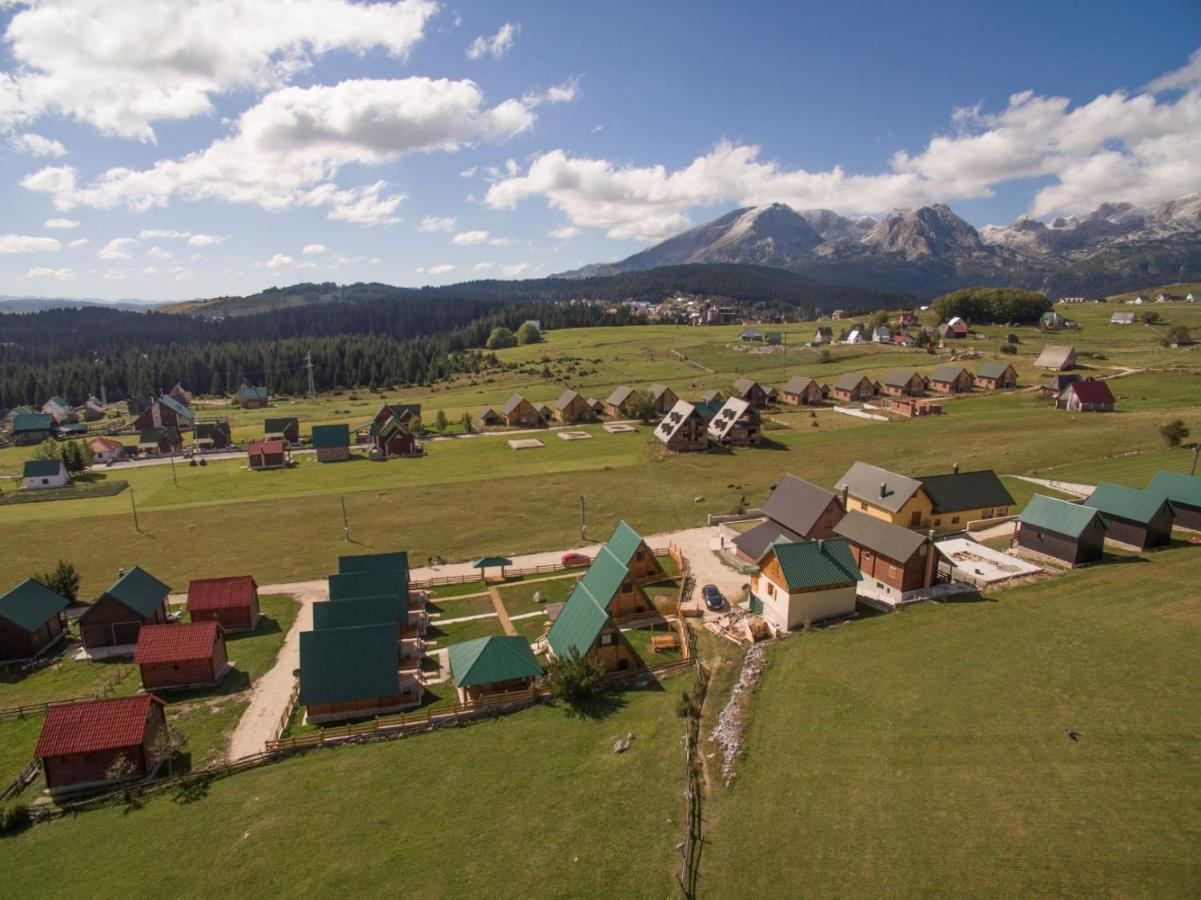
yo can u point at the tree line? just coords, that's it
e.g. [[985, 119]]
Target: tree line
[[992, 305]]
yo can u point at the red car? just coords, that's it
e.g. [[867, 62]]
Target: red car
[[570, 560]]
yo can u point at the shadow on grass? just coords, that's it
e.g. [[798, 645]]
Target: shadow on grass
[[966, 597], [867, 611], [766, 443], [235, 682], [596, 708]]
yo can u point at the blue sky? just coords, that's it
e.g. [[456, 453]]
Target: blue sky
[[197, 149]]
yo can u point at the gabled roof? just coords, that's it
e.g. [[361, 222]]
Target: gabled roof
[[1091, 391], [352, 585], [341, 665], [486, 412], [1059, 382], [579, 623], [675, 419], [658, 390], [624, 542], [180, 642], [265, 448], [392, 426], [1115, 500], [566, 398], [947, 373], [744, 386], [184, 412], [902, 377], [863, 480], [883, 538], [139, 591], [1123, 317], [42, 468], [32, 422], [249, 392], [488, 660], [211, 429], [390, 561], [234, 592], [815, 564], [711, 396], [102, 444], [824, 329], [331, 437], [797, 384], [1177, 487], [403, 411], [848, 381], [754, 542], [157, 435], [280, 425], [798, 504], [351, 613], [90, 726], [727, 417], [620, 395], [511, 404], [959, 491], [1054, 356], [1059, 516], [993, 369], [30, 605]]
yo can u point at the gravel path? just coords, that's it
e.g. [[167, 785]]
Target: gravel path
[[1064, 487]]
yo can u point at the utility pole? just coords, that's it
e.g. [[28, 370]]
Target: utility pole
[[173, 478], [345, 522], [583, 518], [134, 507], [1193, 470], [308, 364]]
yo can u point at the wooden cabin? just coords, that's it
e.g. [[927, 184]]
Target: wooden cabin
[[286, 429], [135, 599], [214, 435], [32, 428], [904, 383], [800, 390], [571, 407], [854, 387], [272, 454], [751, 391], [1057, 357], [1067, 532], [520, 413], [799, 584], [251, 397], [354, 673], [736, 424], [951, 380], [996, 376], [663, 397], [159, 441], [1086, 396], [233, 601], [165, 412], [796, 510], [332, 442], [1137, 518], [683, 429], [894, 561], [618, 402], [487, 418], [32, 619], [393, 438], [81, 743], [1184, 493], [183, 655]]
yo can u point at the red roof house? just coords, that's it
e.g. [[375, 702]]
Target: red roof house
[[234, 602], [178, 656], [270, 454], [82, 741], [1086, 396]]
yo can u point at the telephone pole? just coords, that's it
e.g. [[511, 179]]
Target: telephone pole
[[583, 518], [345, 521], [308, 364], [134, 507]]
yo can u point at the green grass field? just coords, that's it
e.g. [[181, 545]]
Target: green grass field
[[927, 752]]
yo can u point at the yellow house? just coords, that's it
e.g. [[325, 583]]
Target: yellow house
[[886, 495], [957, 498]]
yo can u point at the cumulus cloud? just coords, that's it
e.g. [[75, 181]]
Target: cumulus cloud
[[78, 242], [1138, 148], [205, 240], [435, 224], [353, 260], [55, 274], [286, 150], [62, 224], [282, 261], [36, 145], [470, 238], [123, 66], [25, 243], [160, 253], [151, 234], [117, 248], [443, 269], [566, 233], [1188, 75], [314, 249], [496, 45]]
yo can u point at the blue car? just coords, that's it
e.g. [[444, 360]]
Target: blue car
[[713, 598]]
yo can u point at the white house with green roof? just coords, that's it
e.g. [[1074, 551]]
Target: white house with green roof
[[799, 584], [39, 474]]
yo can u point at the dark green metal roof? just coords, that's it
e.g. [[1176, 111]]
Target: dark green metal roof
[[960, 491], [138, 590], [41, 468], [353, 585], [331, 437], [395, 561], [816, 564], [1125, 503], [341, 665], [30, 605], [492, 562], [624, 542], [278, 426], [580, 622], [1059, 516], [32, 422], [488, 660], [176, 407], [1177, 487], [360, 611]]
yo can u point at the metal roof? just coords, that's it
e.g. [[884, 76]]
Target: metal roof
[[863, 482], [1119, 501], [675, 419], [32, 422], [994, 369], [30, 605], [360, 611], [138, 590], [947, 373], [511, 404], [579, 623], [488, 660], [815, 564], [798, 504], [797, 384], [341, 665], [620, 395], [492, 562], [331, 437], [759, 538], [848, 381], [658, 390], [1177, 487], [234, 592], [184, 412], [352, 585], [959, 491], [1056, 356], [624, 542], [745, 385], [179, 642], [42, 468], [903, 377], [391, 561], [884, 538], [1059, 516], [279, 426], [93, 725], [1091, 391], [567, 398]]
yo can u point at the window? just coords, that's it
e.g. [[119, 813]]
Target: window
[[986, 514], [955, 520], [626, 587], [863, 506], [771, 589], [607, 640], [45, 481], [640, 556], [937, 522]]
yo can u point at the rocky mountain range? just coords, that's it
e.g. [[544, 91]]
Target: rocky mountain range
[[929, 250]]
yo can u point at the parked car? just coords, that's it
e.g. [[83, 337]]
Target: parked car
[[571, 560], [712, 597]]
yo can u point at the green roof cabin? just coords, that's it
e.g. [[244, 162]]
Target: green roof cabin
[[492, 666], [32, 619], [1136, 518], [111, 624], [1062, 531], [38, 474], [1184, 493], [354, 673], [799, 584], [332, 442]]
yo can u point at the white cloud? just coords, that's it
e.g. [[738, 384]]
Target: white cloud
[[354, 260], [78, 242], [469, 238], [160, 253], [469, 172], [437, 223], [56, 274], [514, 270], [314, 249], [496, 45], [63, 224], [117, 248], [123, 66], [113, 274], [1116, 147], [566, 92], [285, 151], [25, 243], [36, 145], [150, 234], [1188, 75], [282, 261], [566, 233], [443, 269], [205, 240]]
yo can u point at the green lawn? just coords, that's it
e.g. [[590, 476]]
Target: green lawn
[[519, 598], [640, 640], [512, 810], [457, 608], [927, 752], [65, 680], [442, 636]]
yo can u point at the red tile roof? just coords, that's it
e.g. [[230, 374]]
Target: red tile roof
[[176, 643], [104, 443], [260, 448], [91, 725], [221, 593], [1092, 391]]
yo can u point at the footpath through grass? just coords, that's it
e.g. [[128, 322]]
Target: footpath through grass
[[927, 752]]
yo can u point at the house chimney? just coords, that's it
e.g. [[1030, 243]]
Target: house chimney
[[883, 489], [846, 492], [955, 469], [121, 572]]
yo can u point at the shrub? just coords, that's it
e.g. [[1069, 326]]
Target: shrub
[[684, 705], [15, 817], [1009, 349], [64, 581], [575, 677], [1174, 432], [500, 338], [528, 333]]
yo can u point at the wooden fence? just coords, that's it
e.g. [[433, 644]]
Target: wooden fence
[[282, 725], [693, 842], [22, 781], [519, 572], [37, 709]]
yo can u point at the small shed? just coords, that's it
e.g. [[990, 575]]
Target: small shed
[[39, 474], [183, 655], [214, 435], [1068, 532], [251, 397], [270, 454], [135, 599], [662, 396], [1137, 518], [1056, 357], [615, 403], [751, 391], [800, 390], [285, 428], [332, 442], [82, 743], [1184, 493], [233, 601], [571, 407], [489, 666], [487, 418], [32, 618]]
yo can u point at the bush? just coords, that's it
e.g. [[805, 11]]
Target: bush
[[1009, 349], [528, 333], [1174, 433], [684, 705], [64, 581], [15, 817], [500, 338], [575, 677]]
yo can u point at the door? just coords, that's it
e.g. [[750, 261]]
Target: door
[[915, 519]]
